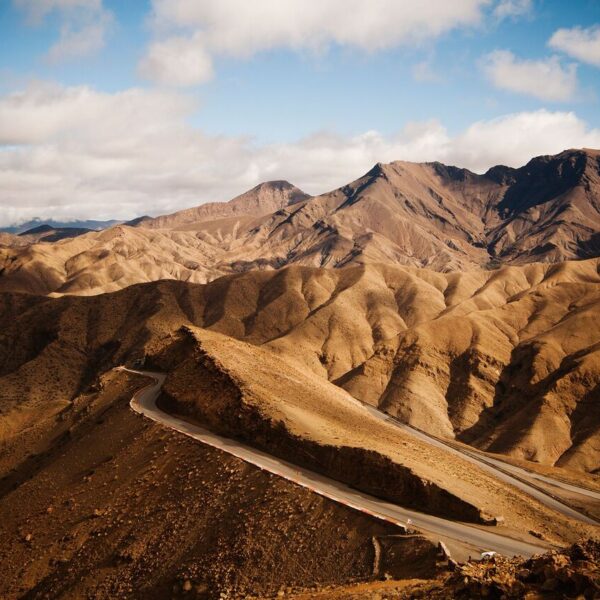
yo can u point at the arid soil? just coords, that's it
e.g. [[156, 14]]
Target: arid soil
[[110, 505], [494, 358], [572, 573], [424, 215]]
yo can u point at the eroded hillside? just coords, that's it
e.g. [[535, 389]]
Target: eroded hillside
[[494, 358]]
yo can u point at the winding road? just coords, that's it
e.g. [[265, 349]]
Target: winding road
[[462, 539], [505, 472]]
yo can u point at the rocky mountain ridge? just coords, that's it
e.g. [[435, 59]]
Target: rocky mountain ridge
[[424, 215]]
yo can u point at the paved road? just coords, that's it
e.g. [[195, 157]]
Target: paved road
[[507, 473], [462, 539], [520, 472]]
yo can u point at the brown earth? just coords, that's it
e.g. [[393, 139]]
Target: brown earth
[[571, 573], [108, 504], [424, 215], [495, 358]]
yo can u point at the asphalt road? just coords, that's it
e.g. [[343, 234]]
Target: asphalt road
[[462, 539], [520, 472], [500, 470]]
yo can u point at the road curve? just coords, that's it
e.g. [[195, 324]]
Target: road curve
[[462, 539]]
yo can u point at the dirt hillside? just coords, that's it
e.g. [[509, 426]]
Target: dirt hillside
[[110, 505], [494, 358]]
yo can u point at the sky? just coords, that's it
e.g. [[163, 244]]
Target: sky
[[112, 109]]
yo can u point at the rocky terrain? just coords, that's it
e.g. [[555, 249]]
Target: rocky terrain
[[425, 215], [108, 505], [465, 305], [571, 573], [493, 358]]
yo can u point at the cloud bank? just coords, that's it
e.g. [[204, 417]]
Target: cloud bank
[[73, 152], [239, 28], [545, 79]]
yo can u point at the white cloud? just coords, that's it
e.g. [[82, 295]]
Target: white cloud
[[579, 43], [240, 28], [46, 113], [177, 61], [507, 9], [514, 139], [79, 153], [84, 25], [545, 79]]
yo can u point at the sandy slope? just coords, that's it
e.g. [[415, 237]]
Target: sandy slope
[[425, 215], [497, 358], [247, 392]]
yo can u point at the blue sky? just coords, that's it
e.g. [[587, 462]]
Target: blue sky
[[307, 92]]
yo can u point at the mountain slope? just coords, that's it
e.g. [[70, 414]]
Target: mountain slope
[[56, 351], [423, 215], [263, 199], [495, 358]]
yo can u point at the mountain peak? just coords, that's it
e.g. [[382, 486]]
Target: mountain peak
[[265, 198], [275, 187], [544, 178]]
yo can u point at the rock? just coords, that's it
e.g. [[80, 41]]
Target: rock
[[537, 534], [550, 585]]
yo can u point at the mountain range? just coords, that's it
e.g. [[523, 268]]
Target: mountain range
[[394, 335], [425, 215]]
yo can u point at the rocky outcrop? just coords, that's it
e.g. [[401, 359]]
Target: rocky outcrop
[[572, 573]]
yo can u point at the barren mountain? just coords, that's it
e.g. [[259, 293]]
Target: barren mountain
[[425, 215], [494, 358], [263, 199], [55, 351], [97, 502]]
